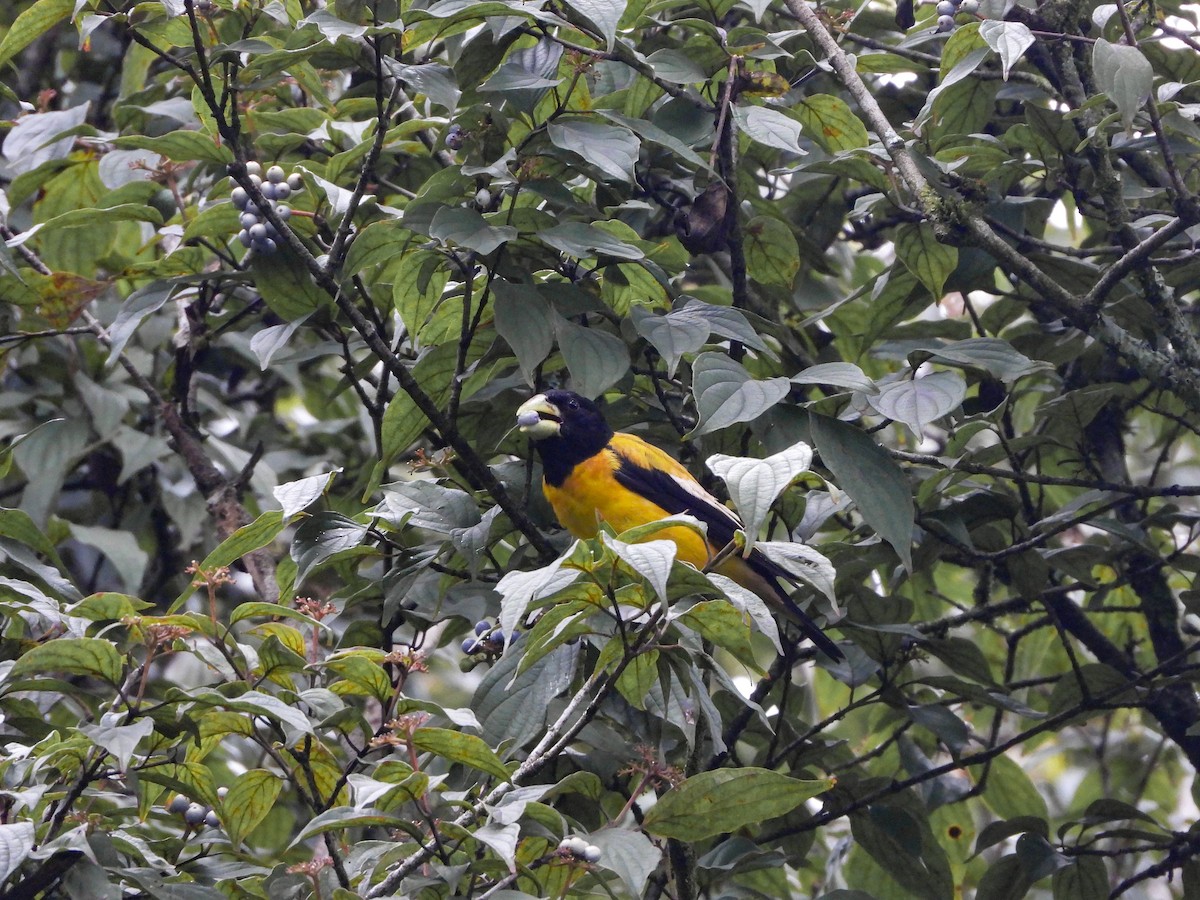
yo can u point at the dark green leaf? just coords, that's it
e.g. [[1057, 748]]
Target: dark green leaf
[[864, 470], [611, 149], [727, 799], [726, 393]]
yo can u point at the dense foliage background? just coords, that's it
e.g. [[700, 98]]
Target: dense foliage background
[[254, 500]]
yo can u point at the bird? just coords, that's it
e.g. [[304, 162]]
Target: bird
[[591, 473]]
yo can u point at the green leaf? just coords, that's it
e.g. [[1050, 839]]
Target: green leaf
[[342, 817], [16, 524], [720, 622], [919, 402], [751, 604], [1125, 75], [650, 559], [16, 843], [519, 589], [32, 23], [995, 356], [582, 239], [73, 656], [832, 123], [1009, 39], [931, 262], [107, 216], [256, 609], [1005, 880], [671, 335], [259, 704], [418, 283], [250, 799], [769, 127], [108, 606], [630, 854], [595, 358], [1084, 879], [119, 740], [944, 724], [755, 484], [465, 227], [376, 244], [526, 323], [961, 656], [295, 496], [1010, 794], [603, 14], [137, 306], [610, 148], [723, 800], [285, 285], [321, 537], [726, 393], [676, 66], [804, 562], [513, 707], [839, 374], [180, 146], [638, 677], [364, 673], [866, 472], [772, 254], [899, 839], [995, 832], [246, 539], [460, 748]]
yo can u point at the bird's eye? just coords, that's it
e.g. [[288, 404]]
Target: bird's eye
[[573, 404]]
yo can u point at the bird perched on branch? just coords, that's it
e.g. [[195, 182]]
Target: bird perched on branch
[[591, 472]]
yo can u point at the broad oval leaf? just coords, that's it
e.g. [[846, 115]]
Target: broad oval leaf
[[755, 484], [460, 748], [650, 559], [295, 496], [918, 402], [73, 656], [248, 802], [596, 359], [922, 254], [726, 394], [769, 126], [839, 374], [467, 228], [864, 470], [727, 799], [1124, 74], [1009, 39], [772, 254], [610, 148], [832, 123], [526, 323], [16, 843]]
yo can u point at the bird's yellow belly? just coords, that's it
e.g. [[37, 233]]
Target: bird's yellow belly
[[589, 495]]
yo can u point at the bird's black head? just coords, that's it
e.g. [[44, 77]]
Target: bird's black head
[[567, 428]]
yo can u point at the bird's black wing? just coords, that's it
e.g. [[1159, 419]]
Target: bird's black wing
[[677, 496]]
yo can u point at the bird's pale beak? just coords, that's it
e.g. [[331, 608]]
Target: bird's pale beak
[[538, 418]]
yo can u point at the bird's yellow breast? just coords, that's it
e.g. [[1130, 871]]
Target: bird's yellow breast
[[591, 494]]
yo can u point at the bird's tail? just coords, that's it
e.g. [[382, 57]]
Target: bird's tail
[[811, 629]]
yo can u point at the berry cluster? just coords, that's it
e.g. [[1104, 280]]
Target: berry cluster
[[195, 814], [580, 849], [257, 233], [455, 137], [948, 9], [488, 639]]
